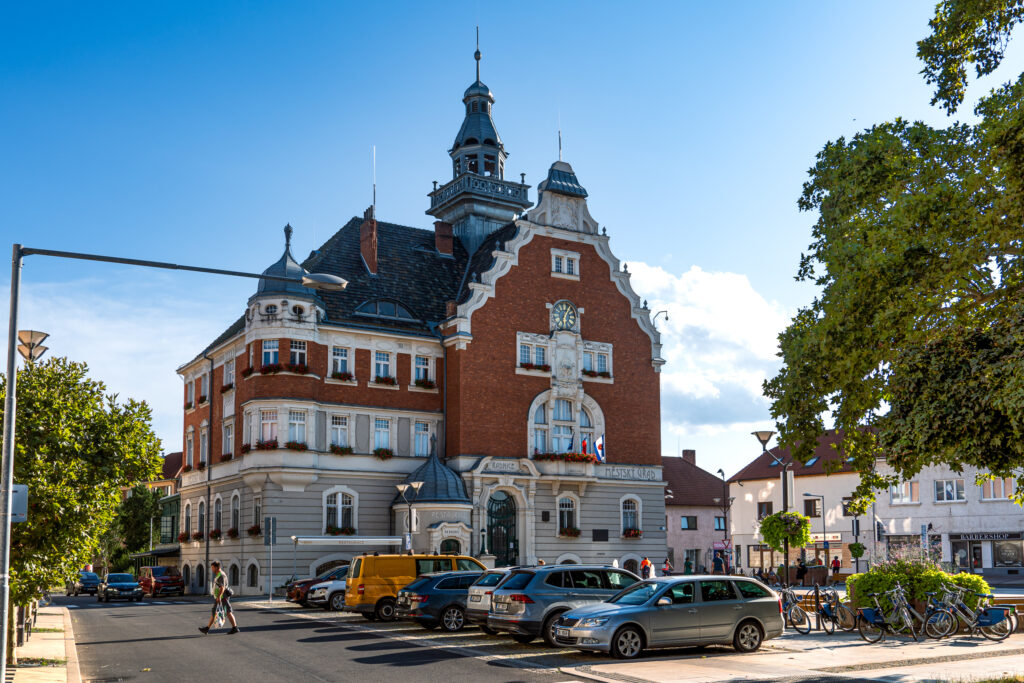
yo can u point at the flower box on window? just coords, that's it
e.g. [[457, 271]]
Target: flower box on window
[[569, 532], [266, 445], [533, 366], [233, 532], [298, 368], [245, 448], [270, 369], [598, 373], [295, 445], [201, 466], [383, 453], [426, 384], [254, 530], [215, 534], [341, 531], [186, 468], [197, 535], [188, 405], [590, 373], [341, 450], [247, 372], [632, 533], [202, 400], [227, 387], [343, 376], [566, 457], [385, 379], [226, 456], [183, 537]]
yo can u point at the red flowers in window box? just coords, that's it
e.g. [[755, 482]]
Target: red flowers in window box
[[570, 532], [632, 533], [266, 445], [295, 445], [598, 373], [197, 535], [566, 457], [247, 372], [186, 468], [341, 531], [426, 384], [226, 456], [385, 379], [298, 368], [188, 405], [201, 466], [271, 369], [533, 366], [233, 532], [183, 537], [214, 534], [343, 376], [383, 453], [341, 450], [254, 530], [245, 448], [202, 400], [227, 387]]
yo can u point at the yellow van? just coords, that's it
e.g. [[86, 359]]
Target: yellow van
[[374, 580]]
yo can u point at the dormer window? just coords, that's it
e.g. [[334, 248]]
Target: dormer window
[[475, 107], [565, 264], [297, 311], [270, 310], [383, 308], [483, 107], [490, 164]]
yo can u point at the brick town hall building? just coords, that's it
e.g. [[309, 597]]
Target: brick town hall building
[[470, 357]]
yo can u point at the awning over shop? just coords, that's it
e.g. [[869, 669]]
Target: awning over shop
[[157, 552]]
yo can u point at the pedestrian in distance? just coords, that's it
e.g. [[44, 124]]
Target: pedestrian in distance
[[836, 564], [221, 599], [645, 568], [666, 568], [801, 572], [541, 563], [718, 564], [688, 566]]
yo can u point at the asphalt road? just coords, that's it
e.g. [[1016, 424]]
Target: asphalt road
[[159, 642]]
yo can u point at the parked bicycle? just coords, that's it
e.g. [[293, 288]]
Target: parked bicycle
[[833, 613], [874, 623], [995, 622], [794, 614]]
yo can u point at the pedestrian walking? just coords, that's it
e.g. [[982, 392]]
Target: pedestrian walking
[[688, 566], [718, 564], [221, 599], [666, 569], [801, 572], [836, 564], [645, 568]]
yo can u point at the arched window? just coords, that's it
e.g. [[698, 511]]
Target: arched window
[[384, 308], [188, 521], [630, 514], [217, 514], [201, 578], [254, 576], [233, 575], [587, 432], [631, 565], [566, 514], [202, 518], [186, 575], [540, 434], [236, 507], [475, 105], [450, 546], [562, 427], [189, 446], [559, 425], [339, 511]]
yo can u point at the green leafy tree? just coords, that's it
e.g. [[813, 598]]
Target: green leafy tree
[[782, 527], [136, 515], [76, 448], [913, 344]]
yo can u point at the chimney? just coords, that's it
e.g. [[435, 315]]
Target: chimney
[[368, 240], [443, 239], [690, 456]]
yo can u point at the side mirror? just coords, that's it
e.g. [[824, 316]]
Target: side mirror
[[664, 602]]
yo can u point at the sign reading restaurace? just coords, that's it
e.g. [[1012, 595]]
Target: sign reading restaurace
[[987, 536]]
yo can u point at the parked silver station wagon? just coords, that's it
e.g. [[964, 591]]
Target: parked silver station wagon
[[671, 611]]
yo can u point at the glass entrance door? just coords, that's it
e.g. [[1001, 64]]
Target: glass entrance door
[[501, 529]]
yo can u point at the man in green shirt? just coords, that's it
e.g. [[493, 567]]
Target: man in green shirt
[[221, 598]]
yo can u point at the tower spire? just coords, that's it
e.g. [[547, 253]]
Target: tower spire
[[476, 55], [288, 236]]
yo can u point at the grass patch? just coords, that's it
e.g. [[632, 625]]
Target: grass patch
[[40, 661], [1001, 679], [47, 630]]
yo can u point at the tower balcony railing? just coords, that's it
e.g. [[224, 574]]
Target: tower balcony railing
[[487, 186]]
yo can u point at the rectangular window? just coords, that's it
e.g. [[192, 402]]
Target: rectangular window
[[950, 490], [570, 266], [422, 367], [997, 489], [257, 510], [298, 353], [248, 428], [764, 510], [422, 439], [525, 353], [270, 352], [905, 492], [190, 389], [339, 359], [812, 507], [339, 430], [203, 442], [846, 507], [563, 410], [268, 425], [558, 264], [229, 371], [540, 440], [602, 362], [687, 523], [539, 356], [588, 361], [719, 523], [297, 426], [229, 438], [381, 433], [204, 387], [561, 439], [382, 364], [565, 264]]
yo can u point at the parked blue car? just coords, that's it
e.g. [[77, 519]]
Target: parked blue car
[[437, 599], [85, 582]]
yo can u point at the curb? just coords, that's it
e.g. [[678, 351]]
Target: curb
[[74, 674]]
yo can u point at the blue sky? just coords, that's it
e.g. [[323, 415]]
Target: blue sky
[[192, 132]]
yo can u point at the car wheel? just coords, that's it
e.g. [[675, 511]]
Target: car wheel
[[336, 601], [99, 598], [385, 609], [748, 637], [453, 619], [369, 616], [627, 643], [547, 632]]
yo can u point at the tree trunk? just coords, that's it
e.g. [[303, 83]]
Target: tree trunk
[[12, 659]]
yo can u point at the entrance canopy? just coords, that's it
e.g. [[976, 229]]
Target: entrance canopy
[[347, 540]]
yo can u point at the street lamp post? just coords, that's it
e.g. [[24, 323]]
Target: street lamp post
[[726, 502], [319, 281], [404, 489], [764, 436]]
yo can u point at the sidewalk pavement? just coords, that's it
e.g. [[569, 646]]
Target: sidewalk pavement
[[51, 649], [844, 654]]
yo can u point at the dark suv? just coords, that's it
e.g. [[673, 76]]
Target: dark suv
[[529, 601], [161, 581], [85, 582], [436, 599]]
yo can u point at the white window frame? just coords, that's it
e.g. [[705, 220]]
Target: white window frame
[[190, 392], [349, 360], [959, 487], [190, 446], [236, 512], [218, 514], [201, 517], [204, 386], [377, 430], [268, 419], [903, 493], [382, 360], [639, 513], [257, 510], [229, 372], [297, 352], [271, 350], [228, 440], [204, 431], [565, 264], [186, 521], [426, 367], [577, 510], [340, 429], [297, 420], [340, 489], [416, 433]]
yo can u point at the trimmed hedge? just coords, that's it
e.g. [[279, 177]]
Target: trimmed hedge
[[917, 577]]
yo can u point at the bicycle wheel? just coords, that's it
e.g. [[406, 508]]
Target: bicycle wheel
[[847, 618], [869, 631], [939, 624], [997, 631], [905, 623], [828, 623], [798, 618]]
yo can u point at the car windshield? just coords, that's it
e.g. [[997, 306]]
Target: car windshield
[[418, 583], [516, 580], [341, 572], [489, 579], [120, 578], [637, 594], [89, 576], [165, 571]]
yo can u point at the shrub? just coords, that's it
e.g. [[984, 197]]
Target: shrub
[[786, 526], [857, 550], [918, 577]]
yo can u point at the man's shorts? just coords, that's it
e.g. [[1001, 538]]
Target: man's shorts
[[226, 601]]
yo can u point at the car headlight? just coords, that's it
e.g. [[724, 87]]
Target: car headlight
[[593, 621]]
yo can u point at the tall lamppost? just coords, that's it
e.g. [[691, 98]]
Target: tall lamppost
[[824, 523], [404, 490], [319, 281], [764, 436], [726, 502]]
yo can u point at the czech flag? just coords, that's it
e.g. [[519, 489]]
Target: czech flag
[[599, 444]]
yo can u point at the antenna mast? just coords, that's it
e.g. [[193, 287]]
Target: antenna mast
[[373, 154]]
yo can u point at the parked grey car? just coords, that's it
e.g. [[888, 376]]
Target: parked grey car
[[671, 611], [529, 601], [479, 598]]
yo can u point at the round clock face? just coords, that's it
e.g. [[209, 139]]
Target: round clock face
[[564, 316]]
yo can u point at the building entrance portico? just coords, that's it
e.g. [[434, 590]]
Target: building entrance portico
[[501, 529]]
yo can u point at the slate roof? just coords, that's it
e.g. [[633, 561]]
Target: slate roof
[[690, 485], [562, 179], [172, 466], [483, 258], [764, 467], [441, 484]]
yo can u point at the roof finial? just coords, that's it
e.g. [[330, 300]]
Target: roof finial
[[288, 236], [476, 55], [559, 134]]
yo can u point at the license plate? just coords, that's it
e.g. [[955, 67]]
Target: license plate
[[563, 632], [500, 607], [474, 598]]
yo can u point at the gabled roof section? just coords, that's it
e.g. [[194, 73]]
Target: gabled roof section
[[172, 466], [765, 467], [483, 258], [690, 485]]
